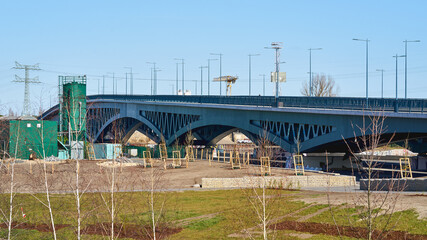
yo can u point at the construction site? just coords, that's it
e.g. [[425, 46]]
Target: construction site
[[60, 157]]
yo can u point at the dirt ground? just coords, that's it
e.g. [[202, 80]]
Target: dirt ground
[[95, 176]]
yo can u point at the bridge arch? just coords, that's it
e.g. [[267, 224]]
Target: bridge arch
[[138, 122], [220, 131]]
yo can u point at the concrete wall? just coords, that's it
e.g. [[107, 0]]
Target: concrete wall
[[414, 184], [288, 182]]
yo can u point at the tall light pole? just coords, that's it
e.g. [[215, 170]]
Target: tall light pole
[[311, 73], [397, 56], [201, 79], [126, 78], [276, 46], [406, 65], [382, 82], [220, 71], [130, 81], [367, 81], [250, 58], [263, 84], [209, 75], [103, 84], [98, 86], [155, 70], [152, 75], [177, 64], [182, 62], [114, 82]]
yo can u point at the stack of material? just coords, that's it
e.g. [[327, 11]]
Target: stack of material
[[124, 160], [52, 159]]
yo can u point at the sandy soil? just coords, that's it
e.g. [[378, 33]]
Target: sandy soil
[[95, 175]]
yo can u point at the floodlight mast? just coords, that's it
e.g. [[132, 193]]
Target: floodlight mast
[[182, 62], [276, 46], [311, 73], [220, 71], [151, 78], [209, 75], [27, 81]]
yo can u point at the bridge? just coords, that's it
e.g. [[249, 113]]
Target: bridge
[[314, 124]]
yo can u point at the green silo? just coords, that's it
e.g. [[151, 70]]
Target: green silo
[[73, 107]]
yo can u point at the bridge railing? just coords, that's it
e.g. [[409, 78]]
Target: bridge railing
[[345, 103]]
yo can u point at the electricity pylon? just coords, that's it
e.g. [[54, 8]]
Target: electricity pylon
[[27, 81]]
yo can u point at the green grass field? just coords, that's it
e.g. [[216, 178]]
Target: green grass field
[[199, 214]]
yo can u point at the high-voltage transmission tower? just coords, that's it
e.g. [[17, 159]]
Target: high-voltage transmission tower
[[27, 80]]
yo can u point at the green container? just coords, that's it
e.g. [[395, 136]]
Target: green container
[[74, 106], [33, 137]]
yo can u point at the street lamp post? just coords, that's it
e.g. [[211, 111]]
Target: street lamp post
[[276, 46], [201, 79], [98, 87], [126, 78], [263, 84], [155, 70], [177, 64], [103, 84], [311, 73], [382, 82], [406, 65], [397, 56], [250, 58], [367, 81], [220, 71], [114, 83], [152, 76], [182, 62], [209, 75], [130, 81]]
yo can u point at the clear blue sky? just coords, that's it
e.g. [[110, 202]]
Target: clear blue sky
[[97, 37]]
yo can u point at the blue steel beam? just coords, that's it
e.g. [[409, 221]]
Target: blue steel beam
[[318, 123]]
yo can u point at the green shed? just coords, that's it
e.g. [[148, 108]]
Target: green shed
[[29, 138]]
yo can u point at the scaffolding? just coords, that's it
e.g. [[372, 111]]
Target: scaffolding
[[189, 154], [298, 164], [176, 159], [90, 151], [265, 166], [405, 167], [235, 160], [147, 160]]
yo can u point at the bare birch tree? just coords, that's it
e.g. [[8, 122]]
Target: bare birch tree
[[12, 183], [375, 208]]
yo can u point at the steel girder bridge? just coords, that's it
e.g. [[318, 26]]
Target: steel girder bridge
[[316, 123]]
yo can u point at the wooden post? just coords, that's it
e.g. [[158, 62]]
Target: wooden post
[[196, 155], [244, 159], [248, 159], [201, 155]]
